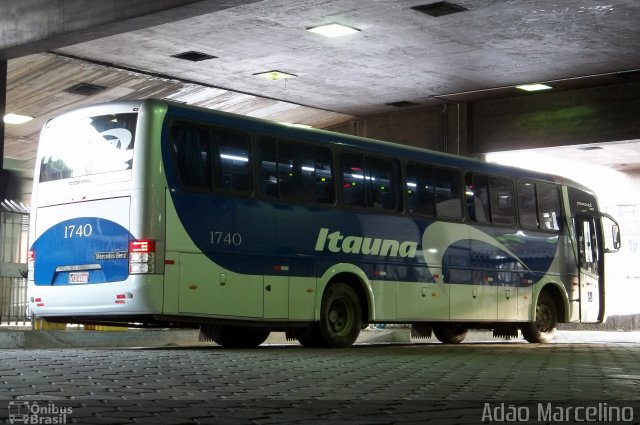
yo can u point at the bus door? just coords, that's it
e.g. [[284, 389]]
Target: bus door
[[589, 261]]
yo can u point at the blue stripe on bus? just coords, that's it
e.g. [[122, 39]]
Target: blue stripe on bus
[[64, 246]]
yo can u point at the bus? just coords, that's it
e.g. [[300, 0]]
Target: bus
[[157, 214]]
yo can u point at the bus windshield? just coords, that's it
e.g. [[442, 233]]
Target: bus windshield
[[86, 146]]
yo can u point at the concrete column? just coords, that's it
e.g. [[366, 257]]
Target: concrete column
[[3, 107]]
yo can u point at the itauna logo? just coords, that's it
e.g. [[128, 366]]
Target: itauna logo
[[337, 242]]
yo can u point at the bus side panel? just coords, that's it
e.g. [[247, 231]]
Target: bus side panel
[[200, 286]]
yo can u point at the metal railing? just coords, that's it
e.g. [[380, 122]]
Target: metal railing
[[14, 231]]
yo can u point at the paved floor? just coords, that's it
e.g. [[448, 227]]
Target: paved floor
[[418, 383]]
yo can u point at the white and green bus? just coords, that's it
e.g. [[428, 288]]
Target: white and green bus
[[152, 213]]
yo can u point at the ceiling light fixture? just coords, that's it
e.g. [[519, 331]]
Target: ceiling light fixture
[[85, 89], [275, 75], [402, 104], [534, 87], [16, 119], [333, 30], [440, 8], [194, 56]]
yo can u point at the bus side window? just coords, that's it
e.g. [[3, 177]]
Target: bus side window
[[234, 171], [448, 196], [287, 171], [191, 146], [477, 195], [317, 178], [380, 181], [353, 186], [268, 167], [502, 201], [548, 206], [420, 189], [527, 209]]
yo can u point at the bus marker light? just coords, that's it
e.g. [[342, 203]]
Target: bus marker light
[[169, 262], [310, 290], [193, 286]]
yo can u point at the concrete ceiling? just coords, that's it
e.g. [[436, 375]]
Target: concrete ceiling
[[398, 55]]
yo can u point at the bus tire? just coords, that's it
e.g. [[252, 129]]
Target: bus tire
[[230, 336], [340, 316], [450, 333], [543, 330]]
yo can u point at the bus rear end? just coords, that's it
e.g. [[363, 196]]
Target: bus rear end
[[92, 259]]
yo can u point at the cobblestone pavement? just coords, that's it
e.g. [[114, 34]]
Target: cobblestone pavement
[[419, 383]]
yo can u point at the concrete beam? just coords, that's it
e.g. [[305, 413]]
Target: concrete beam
[[593, 115], [32, 26]]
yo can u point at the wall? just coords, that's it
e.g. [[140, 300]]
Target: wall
[[623, 273]]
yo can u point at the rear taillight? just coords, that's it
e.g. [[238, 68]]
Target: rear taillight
[[142, 256], [31, 258]]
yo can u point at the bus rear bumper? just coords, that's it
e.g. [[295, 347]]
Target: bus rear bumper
[[138, 295]]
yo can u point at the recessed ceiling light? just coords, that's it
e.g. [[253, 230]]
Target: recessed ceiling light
[[16, 119], [194, 56], [590, 148], [534, 87], [440, 8], [275, 75], [333, 30], [402, 104], [85, 89]]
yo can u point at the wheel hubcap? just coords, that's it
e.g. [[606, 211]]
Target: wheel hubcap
[[339, 316]]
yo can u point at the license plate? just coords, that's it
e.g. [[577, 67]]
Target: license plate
[[81, 277]]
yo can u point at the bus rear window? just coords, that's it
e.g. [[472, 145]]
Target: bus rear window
[[87, 146]]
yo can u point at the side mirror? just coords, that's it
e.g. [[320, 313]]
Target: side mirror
[[613, 244], [615, 233]]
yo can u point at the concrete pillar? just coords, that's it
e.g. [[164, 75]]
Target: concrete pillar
[[3, 107]]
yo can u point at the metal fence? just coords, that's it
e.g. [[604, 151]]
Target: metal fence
[[14, 230]]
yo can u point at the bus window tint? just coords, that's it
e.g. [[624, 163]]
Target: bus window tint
[[296, 172], [548, 206], [478, 197], [527, 205], [316, 170], [380, 180], [419, 187], [287, 171], [502, 201], [447, 188], [353, 180], [234, 170], [191, 146], [268, 167]]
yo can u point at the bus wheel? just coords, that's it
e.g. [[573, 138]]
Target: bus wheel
[[340, 316], [543, 329], [234, 336], [450, 333]]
